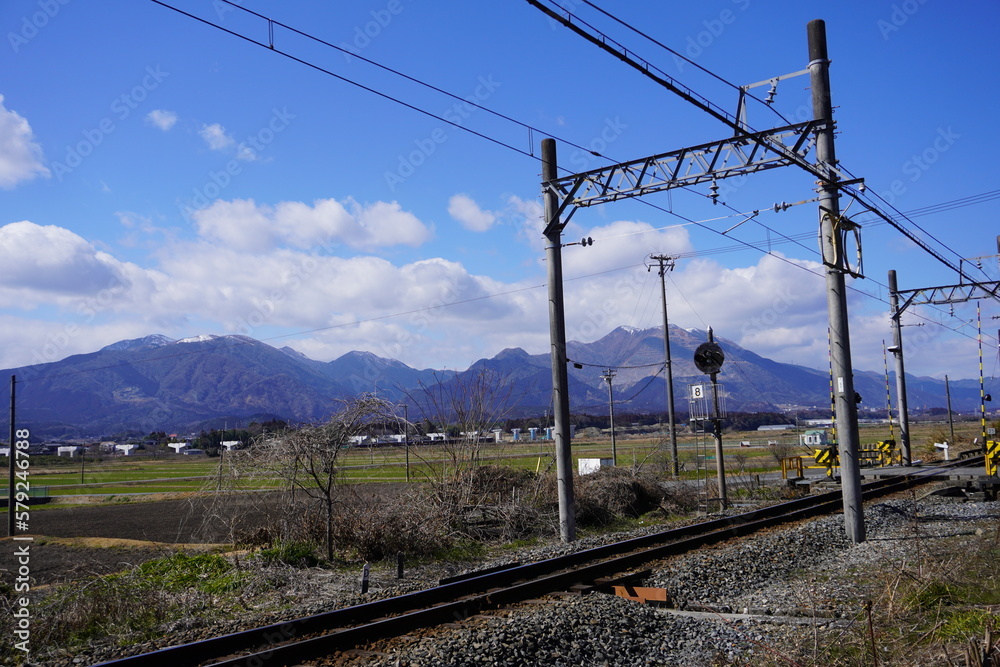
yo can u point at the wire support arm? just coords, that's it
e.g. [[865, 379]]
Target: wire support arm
[[825, 173], [949, 294], [734, 156]]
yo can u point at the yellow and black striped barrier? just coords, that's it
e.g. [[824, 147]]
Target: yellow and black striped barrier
[[992, 456], [828, 457]]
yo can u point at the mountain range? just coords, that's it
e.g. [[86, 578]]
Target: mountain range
[[158, 383]]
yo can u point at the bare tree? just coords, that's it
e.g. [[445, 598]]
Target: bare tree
[[307, 458], [467, 407]]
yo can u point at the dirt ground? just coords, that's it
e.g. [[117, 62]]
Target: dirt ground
[[73, 542]]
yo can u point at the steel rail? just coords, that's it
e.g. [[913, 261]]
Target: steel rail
[[349, 627]]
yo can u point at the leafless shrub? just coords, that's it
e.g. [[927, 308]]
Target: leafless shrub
[[374, 531], [607, 495], [680, 498], [98, 607], [491, 502], [624, 492]]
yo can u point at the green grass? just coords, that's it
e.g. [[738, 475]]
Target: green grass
[[360, 465], [207, 573]]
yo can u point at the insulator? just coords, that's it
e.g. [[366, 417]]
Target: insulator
[[771, 93]]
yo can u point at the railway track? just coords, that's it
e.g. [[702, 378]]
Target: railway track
[[339, 630]]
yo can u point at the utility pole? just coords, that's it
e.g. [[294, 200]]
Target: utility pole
[[406, 438], [964, 291], [897, 352], [10, 463], [557, 339], [667, 263], [888, 394], [745, 151], [951, 422], [608, 376], [834, 262]]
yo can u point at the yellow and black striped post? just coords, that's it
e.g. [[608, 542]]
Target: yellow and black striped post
[[992, 454], [982, 385], [829, 457], [888, 394]]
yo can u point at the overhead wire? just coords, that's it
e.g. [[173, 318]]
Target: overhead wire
[[683, 57], [270, 46], [622, 52]]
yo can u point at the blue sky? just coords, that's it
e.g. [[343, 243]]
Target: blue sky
[[161, 176]]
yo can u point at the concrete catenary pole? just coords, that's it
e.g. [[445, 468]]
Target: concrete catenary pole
[[665, 264], [833, 259], [557, 339], [897, 353]]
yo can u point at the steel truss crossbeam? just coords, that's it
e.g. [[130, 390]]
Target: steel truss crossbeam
[[735, 156], [949, 294]]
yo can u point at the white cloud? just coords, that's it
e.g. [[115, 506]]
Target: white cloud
[[53, 260], [428, 313], [619, 244], [20, 156], [246, 226], [464, 209], [162, 119], [215, 137]]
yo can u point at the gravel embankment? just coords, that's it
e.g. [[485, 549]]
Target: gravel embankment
[[757, 595], [733, 601]]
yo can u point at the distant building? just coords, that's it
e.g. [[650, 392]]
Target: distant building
[[776, 427], [816, 438]]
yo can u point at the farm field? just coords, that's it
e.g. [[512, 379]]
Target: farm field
[[95, 481]]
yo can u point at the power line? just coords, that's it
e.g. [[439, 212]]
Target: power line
[[683, 57], [273, 48], [615, 48], [270, 46]]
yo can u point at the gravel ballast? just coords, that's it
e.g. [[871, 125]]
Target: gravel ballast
[[764, 594], [736, 602]]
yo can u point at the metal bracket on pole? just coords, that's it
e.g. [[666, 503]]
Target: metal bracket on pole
[[733, 156]]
